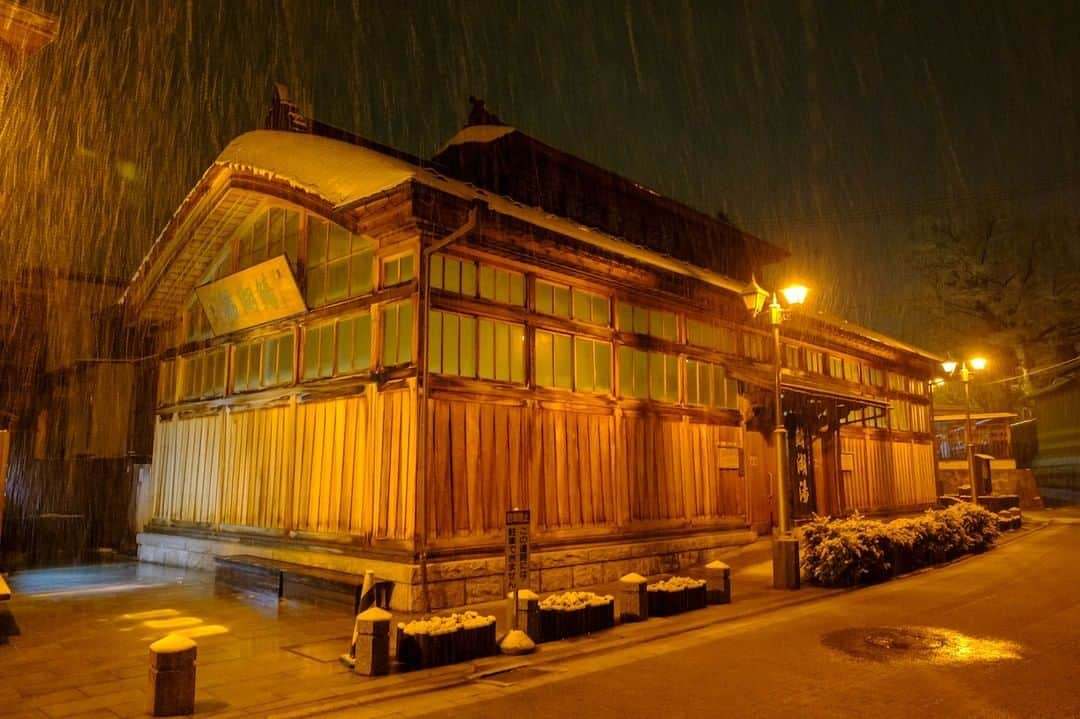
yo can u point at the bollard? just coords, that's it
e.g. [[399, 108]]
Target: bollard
[[172, 676], [718, 583], [528, 613], [371, 642], [633, 598]]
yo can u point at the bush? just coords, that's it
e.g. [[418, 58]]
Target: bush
[[855, 550]]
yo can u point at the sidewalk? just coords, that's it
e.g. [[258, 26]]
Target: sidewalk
[[84, 635]]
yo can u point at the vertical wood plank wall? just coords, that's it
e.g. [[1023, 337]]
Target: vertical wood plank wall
[[887, 474], [344, 466], [577, 468]]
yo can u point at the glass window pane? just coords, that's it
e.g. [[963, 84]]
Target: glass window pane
[[641, 321], [326, 350], [451, 338], [452, 276], [292, 235], [602, 361], [626, 371], [362, 343], [502, 352], [692, 382], [517, 353], [276, 233], [337, 284], [316, 242], [345, 331], [285, 359], [405, 324], [468, 347], [545, 301], [517, 289], [487, 282], [269, 363], [601, 310], [563, 362], [311, 353], [239, 373], [486, 347], [584, 377], [390, 335], [315, 288], [340, 242], [468, 279], [656, 375], [435, 335], [390, 272], [436, 279], [545, 369], [361, 273], [562, 301], [671, 378], [582, 306], [406, 272], [502, 286]]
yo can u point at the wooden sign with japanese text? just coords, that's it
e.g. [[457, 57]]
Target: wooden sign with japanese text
[[517, 549], [261, 293]]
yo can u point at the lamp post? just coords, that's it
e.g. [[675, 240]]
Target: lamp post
[[786, 545], [977, 364]]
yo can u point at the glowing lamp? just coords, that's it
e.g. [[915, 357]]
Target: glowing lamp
[[949, 366], [754, 297], [795, 294], [977, 363]]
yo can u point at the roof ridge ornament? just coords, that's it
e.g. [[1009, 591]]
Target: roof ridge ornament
[[284, 114], [480, 115]]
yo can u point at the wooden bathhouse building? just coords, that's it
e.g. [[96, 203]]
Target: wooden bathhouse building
[[365, 359]]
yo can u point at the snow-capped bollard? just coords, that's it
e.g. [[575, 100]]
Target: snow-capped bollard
[[172, 676], [718, 583], [517, 642], [371, 642], [527, 610], [633, 598]]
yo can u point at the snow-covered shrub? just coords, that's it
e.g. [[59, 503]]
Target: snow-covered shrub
[[853, 550]]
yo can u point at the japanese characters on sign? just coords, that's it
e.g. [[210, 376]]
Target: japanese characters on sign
[[517, 548], [261, 293]]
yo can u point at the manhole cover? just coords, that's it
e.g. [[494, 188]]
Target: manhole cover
[[917, 644]]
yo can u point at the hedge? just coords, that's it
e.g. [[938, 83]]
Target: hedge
[[855, 550]]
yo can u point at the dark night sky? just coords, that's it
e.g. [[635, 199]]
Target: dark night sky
[[831, 127]]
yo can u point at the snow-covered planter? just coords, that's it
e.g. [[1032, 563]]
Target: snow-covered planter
[[571, 614], [454, 638], [675, 596]]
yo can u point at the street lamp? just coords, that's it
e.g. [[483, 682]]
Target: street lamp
[[976, 364], [786, 546]]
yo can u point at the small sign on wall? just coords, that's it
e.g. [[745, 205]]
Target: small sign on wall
[[847, 462], [728, 458]]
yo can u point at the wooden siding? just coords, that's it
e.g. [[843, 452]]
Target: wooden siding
[[579, 468], [342, 467], [887, 473]]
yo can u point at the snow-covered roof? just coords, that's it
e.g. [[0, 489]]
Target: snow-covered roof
[[478, 133], [346, 174]]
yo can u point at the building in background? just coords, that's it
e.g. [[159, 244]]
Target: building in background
[[1056, 406], [577, 346]]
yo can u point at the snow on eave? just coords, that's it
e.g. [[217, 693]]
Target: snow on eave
[[477, 134], [872, 335]]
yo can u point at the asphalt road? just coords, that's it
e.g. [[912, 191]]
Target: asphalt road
[[997, 635]]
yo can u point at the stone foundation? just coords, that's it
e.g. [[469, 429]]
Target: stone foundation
[[454, 583], [1020, 482]]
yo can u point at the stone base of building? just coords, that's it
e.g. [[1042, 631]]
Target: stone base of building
[[1020, 482], [455, 583]]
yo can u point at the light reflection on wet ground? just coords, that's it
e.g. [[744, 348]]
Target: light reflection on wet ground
[[930, 645]]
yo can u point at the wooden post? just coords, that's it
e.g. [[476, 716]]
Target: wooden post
[[172, 676]]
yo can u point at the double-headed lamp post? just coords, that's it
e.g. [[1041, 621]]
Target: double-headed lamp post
[[975, 364], [786, 545]]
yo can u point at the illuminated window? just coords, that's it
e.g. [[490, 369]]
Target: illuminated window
[[466, 278], [643, 321], [353, 339], [648, 375], [756, 348], [275, 232], [195, 324], [452, 344], [592, 308], [899, 418], [897, 382], [708, 385], [339, 263], [592, 365], [319, 351], [852, 371], [554, 360], [397, 270], [397, 334], [450, 274], [815, 361], [876, 377], [836, 367], [499, 285], [791, 357], [702, 334], [552, 299], [501, 351], [202, 375], [261, 363]]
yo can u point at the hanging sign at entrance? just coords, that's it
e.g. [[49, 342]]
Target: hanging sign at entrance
[[517, 549], [801, 471], [261, 293]]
